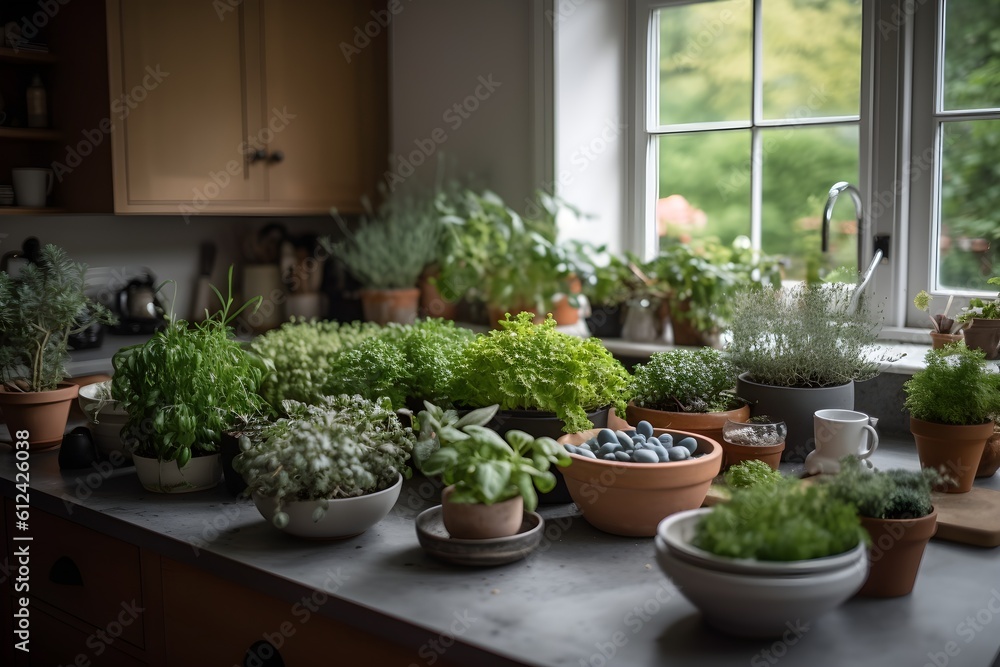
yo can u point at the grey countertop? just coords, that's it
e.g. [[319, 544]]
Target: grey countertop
[[584, 598]]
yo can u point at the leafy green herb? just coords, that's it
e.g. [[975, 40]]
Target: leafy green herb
[[954, 387], [685, 380], [346, 446], [780, 522], [893, 494], [981, 308], [534, 367], [752, 473], [485, 468]]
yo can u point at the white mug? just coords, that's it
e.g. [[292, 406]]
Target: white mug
[[840, 433], [32, 186]]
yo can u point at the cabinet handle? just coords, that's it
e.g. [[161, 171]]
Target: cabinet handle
[[65, 572], [276, 157], [257, 156], [262, 653]]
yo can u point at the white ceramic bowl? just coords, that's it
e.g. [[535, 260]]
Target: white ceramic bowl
[[107, 429], [198, 474], [346, 517], [759, 604], [89, 401]]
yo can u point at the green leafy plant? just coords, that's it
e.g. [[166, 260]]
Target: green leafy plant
[[954, 387], [486, 468], [39, 310], [605, 277], [685, 380], [982, 308], [808, 335], [434, 419], [186, 385], [302, 354], [781, 522], [343, 447], [530, 366], [940, 321], [891, 494], [752, 473], [391, 249]]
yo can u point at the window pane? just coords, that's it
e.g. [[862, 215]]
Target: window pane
[[706, 58], [799, 166], [704, 185], [811, 58], [971, 55], [969, 234]]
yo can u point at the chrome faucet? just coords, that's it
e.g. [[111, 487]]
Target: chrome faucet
[[864, 276]]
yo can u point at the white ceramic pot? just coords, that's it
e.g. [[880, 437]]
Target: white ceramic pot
[[345, 517], [763, 598], [200, 473]]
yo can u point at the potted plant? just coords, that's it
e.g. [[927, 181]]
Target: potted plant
[[895, 508], [330, 470], [760, 439], [945, 330], [800, 349], [951, 403], [982, 323], [387, 253], [182, 389], [772, 553], [491, 480], [39, 310], [687, 390], [606, 282], [990, 462]]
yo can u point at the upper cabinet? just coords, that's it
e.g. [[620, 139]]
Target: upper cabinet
[[252, 107]]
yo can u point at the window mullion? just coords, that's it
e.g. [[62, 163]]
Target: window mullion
[[756, 143]]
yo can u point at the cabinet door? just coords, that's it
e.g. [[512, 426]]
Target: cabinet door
[[325, 82], [181, 73]]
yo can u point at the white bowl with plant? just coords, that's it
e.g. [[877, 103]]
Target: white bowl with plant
[[106, 417], [328, 471]]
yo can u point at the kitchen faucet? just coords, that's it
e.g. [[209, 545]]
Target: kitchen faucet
[[862, 232]]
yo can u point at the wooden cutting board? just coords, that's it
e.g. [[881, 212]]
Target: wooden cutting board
[[970, 518]]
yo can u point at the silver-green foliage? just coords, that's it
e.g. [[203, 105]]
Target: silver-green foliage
[[343, 447], [955, 387], [685, 381], [38, 312], [807, 335], [390, 250]]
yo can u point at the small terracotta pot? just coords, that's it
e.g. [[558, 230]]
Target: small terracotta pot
[[40, 414], [475, 521], [390, 305], [939, 340], [686, 333], [708, 424], [733, 454], [432, 303], [990, 462], [895, 553], [984, 335], [955, 449], [563, 313]]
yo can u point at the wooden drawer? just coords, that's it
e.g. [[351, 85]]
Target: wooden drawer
[[243, 617], [90, 576], [56, 643]]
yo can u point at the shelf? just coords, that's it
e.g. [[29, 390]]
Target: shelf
[[30, 133], [8, 55], [27, 210]]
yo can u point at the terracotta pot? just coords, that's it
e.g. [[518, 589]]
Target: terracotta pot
[[632, 498], [42, 414], [708, 424], [686, 333], [956, 449], [563, 313], [733, 454], [990, 462], [390, 305], [432, 303], [939, 340], [984, 335], [895, 553], [475, 521]]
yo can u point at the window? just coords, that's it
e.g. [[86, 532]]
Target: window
[[747, 111]]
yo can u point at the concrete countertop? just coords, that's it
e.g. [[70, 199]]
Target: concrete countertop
[[584, 598]]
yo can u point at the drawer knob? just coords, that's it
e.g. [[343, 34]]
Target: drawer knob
[[65, 572], [262, 653]]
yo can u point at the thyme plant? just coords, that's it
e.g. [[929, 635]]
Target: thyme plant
[[685, 381]]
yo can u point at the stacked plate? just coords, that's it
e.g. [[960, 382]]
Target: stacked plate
[[6, 195]]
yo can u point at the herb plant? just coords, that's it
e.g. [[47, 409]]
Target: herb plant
[[893, 494], [39, 310], [981, 308], [784, 522], [486, 468], [346, 446], [685, 380], [302, 353], [750, 474], [525, 366], [940, 321], [954, 387], [808, 335], [186, 385]]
